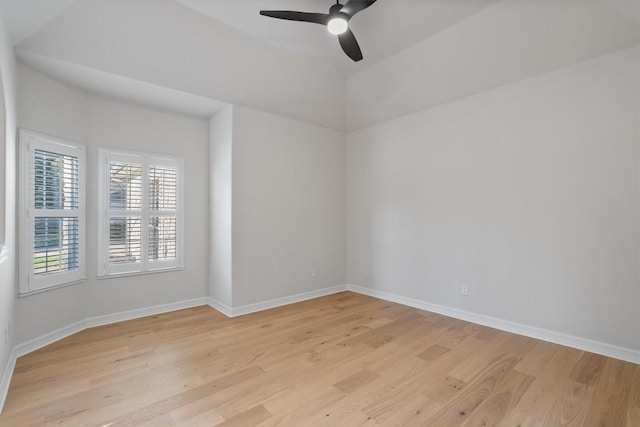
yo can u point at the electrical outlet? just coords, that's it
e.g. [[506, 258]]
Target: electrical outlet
[[464, 290], [314, 273]]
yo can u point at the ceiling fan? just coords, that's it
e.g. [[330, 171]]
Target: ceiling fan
[[336, 21]]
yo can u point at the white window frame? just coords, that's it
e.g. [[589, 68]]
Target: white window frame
[[29, 283], [145, 266]]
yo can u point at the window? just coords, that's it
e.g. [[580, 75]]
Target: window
[[141, 223], [52, 222]]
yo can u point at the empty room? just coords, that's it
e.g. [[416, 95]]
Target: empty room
[[319, 213]]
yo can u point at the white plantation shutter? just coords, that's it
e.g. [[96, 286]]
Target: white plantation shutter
[[141, 226], [163, 202], [124, 213], [52, 226]]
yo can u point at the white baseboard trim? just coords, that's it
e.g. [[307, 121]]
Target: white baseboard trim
[[6, 378], [144, 312], [48, 338], [273, 303], [604, 349], [32, 345], [616, 352], [222, 308], [53, 336]]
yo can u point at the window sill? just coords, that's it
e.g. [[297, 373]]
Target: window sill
[[51, 288], [138, 273]]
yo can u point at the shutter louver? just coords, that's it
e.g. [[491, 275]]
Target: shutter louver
[[125, 240], [125, 186], [162, 206], [125, 224], [162, 188], [56, 203]]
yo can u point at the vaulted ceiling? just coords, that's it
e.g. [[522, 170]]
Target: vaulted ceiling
[[196, 55], [384, 29]]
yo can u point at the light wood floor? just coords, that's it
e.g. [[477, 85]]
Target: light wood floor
[[342, 360]]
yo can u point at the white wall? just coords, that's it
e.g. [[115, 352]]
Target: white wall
[[508, 42], [220, 209], [54, 108], [287, 200], [120, 125], [289, 207], [193, 53], [8, 258], [528, 194]]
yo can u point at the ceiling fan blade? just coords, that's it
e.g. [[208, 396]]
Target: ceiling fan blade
[[354, 6], [316, 18], [350, 45]]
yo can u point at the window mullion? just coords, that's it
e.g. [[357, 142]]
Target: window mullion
[[55, 213], [162, 213], [127, 213], [144, 253]]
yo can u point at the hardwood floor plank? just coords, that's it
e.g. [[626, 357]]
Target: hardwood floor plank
[[633, 411], [545, 389], [434, 352], [180, 399], [302, 403], [612, 396], [502, 400], [441, 387], [204, 419], [197, 412], [356, 381], [538, 358], [571, 407], [479, 389], [588, 369], [250, 417], [341, 360], [417, 412]]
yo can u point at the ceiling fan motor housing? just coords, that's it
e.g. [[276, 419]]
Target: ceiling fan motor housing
[[335, 10], [337, 22]]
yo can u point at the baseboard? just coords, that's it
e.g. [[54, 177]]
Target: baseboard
[[616, 352], [144, 312], [604, 349], [6, 378], [222, 308], [33, 345], [48, 338], [51, 337], [273, 303]]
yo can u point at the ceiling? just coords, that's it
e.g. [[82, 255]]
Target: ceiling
[[384, 29], [25, 17], [197, 55], [376, 29]]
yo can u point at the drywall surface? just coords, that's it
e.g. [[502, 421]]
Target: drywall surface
[[505, 43], [184, 50], [220, 209], [528, 194], [50, 107], [289, 214], [8, 287], [120, 125]]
